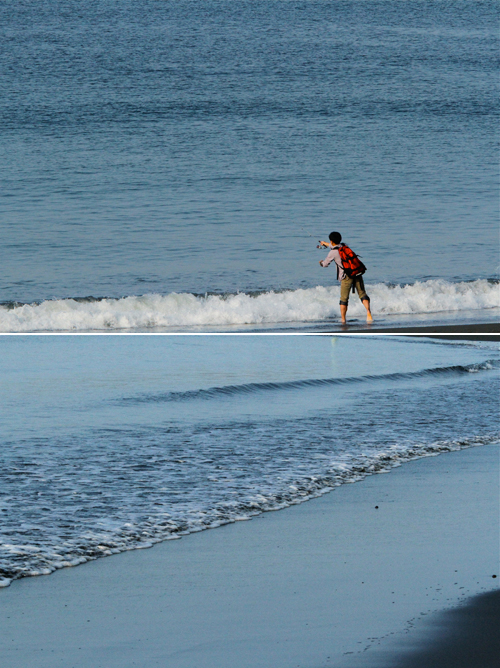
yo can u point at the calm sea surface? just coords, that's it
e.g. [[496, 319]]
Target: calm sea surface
[[151, 148], [115, 443]]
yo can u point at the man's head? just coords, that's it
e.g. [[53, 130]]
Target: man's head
[[335, 237]]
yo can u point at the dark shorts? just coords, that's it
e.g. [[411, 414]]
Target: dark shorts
[[346, 286]]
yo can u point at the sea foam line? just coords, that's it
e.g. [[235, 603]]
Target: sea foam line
[[32, 560], [289, 306]]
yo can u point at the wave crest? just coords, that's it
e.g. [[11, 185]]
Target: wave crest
[[252, 388], [290, 306]]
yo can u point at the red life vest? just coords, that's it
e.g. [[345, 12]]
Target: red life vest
[[350, 261]]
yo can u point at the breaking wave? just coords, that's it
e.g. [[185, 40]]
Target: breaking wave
[[290, 306]]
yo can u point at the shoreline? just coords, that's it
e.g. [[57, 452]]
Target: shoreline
[[316, 584], [477, 331]]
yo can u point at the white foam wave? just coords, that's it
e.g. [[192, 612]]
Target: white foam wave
[[292, 306]]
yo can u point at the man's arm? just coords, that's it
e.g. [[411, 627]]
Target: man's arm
[[332, 255]]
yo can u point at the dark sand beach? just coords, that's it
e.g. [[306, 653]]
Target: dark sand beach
[[344, 580], [470, 331], [464, 637]]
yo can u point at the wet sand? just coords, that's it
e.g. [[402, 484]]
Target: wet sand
[[329, 582]]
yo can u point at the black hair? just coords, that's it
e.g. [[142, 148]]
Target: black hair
[[335, 237]]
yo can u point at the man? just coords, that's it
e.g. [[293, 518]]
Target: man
[[346, 283]]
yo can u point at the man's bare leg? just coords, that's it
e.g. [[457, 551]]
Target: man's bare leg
[[343, 312], [366, 304]]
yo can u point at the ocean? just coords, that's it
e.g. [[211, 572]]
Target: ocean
[[170, 166], [115, 443]]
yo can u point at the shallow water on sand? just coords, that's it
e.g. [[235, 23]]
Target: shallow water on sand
[[115, 443]]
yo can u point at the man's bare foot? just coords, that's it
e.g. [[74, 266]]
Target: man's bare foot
[[369, 318]]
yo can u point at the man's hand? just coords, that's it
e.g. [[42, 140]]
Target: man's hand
[[321, 262]]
